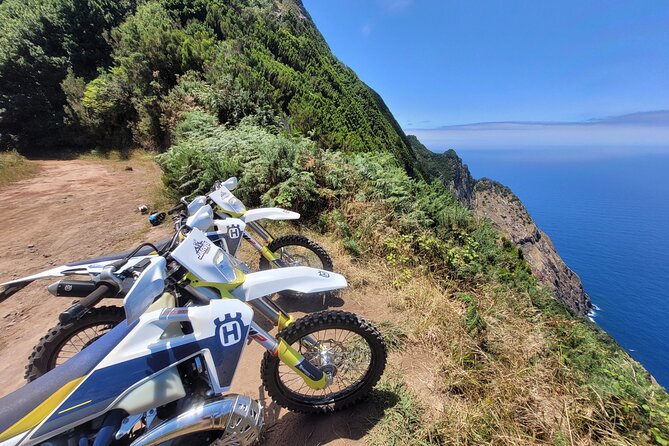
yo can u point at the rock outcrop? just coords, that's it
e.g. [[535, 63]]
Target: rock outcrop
[[508, 214], [494, 201]]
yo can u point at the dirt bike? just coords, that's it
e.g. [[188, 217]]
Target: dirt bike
[[279, 252], [163, 375], [289, 250], [80, 325]]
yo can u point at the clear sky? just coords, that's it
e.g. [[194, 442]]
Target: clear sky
[[444, 62]]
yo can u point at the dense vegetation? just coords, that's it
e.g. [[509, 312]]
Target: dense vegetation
[[229, 58], [41, 41], [250, 88], [436, 165]]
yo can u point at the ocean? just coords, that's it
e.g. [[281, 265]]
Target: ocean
[[608, 214]]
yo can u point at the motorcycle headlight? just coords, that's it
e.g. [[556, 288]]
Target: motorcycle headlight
[[236, 205], [229, 267]]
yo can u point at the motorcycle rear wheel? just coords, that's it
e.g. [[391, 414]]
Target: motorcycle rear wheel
[[66, 340], [356, 357]]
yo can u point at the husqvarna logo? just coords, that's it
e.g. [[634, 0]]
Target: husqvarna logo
[[234, 232], [201, 248], [229, 330]]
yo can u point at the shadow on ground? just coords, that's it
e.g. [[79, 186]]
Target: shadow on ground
[[311, 430]]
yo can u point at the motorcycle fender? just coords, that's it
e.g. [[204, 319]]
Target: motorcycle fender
[[9, 288], [270, 214], [301, 279]]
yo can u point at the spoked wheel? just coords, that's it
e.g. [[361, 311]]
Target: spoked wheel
[[350, 350], [297, 250], [66, 340]]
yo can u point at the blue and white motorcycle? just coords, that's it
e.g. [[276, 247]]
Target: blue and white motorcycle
[[163, 375], [82, 324]]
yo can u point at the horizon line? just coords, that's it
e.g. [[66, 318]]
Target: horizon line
[[627, 118]]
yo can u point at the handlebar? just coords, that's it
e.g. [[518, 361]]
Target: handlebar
[[179, 207], [78, 309]]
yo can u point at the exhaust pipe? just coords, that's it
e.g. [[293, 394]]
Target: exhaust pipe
[[76, 288], [239, 417]]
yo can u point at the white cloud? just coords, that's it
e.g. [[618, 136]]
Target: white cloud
[[366, 29], [629, 132]]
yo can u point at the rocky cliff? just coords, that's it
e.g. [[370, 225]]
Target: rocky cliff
[[494, 201]]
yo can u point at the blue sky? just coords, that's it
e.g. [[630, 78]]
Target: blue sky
[[441, 63]]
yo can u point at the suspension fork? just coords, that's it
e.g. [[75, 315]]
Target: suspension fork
[[263, 250], [278, 317], [261, 231], [272, 312], [314, 378]]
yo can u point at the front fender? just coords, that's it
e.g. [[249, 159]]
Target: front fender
[[270, 214], [301, 279]]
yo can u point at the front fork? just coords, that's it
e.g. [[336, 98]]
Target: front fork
[[267, 237], [314, 378]]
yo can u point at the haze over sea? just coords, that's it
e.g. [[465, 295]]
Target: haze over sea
[[607, 211]]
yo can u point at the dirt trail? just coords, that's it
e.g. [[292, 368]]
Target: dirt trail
[[72, 210], [80, 209]]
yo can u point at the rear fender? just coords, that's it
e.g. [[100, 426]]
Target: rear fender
[[9, 288], [301, 279], [270, 214]]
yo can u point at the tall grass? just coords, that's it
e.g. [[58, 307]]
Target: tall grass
[[14, 167]]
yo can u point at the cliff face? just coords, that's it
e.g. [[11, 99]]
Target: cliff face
[[507, 213], [494, 201]]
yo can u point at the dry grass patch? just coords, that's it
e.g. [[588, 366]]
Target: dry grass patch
[[497, 378], [14, 167]]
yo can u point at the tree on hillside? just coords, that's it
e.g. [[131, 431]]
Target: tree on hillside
[[40, 40]]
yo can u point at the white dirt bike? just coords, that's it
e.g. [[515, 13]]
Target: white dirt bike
[[81, 324], [288, 250], [162, 376]]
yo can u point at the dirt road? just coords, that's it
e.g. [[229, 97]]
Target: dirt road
[[80, 209]]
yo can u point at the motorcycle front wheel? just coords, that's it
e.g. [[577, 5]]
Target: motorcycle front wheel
[[297, 250], [346, 347], [66, 340]]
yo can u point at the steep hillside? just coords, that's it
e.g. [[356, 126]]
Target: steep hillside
[[508, 214], [491, 200], [447, 167], [232, 59]]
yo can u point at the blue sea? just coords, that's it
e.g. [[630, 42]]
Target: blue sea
[[608, 214]]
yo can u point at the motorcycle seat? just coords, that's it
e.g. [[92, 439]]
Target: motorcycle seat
[[27, 407], [144, 251]]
